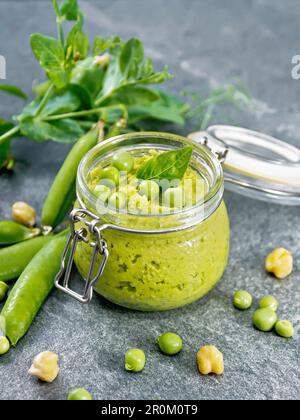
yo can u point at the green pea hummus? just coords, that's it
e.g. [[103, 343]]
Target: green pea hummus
[[156, 272]]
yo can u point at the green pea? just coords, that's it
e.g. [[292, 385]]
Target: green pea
[[3, 290], [103, 192], [149, 189], [265, 319], [4, 345], [135, 360], [12, 233], [269, 302], [242, 300], [170, 343], [174, 197], [79, 394], [110, 177], [284, 329], [117, 201], [123, 161]]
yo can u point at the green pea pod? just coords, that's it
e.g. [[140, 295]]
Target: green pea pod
[[12, 233], [15, 258], [62, 193], [32, 288], [2, 326]]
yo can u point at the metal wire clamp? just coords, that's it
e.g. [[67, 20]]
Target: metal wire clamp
[[99, 245]]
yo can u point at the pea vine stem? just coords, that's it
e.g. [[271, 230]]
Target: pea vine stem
[[45, 99], [86, 113], [59, 22], [9, 134]]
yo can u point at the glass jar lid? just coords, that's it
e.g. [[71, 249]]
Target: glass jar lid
[[255, 164]]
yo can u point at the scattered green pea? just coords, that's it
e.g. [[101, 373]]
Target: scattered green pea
[[284, 329], [149, 189], [174, 197], [170, 343], [123, 161], [242, 300], [4, 345], [3, 290], [117, 201], [110, 177], [265, 319], [135, 360], [79, 394], [269, 302]]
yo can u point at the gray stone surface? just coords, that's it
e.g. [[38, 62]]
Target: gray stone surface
[[206, 43]]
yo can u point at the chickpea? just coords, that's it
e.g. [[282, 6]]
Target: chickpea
[[280, 263], [45, 366], [24, 214], [210, 360]]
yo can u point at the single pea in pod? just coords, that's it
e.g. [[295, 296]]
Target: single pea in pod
[[135, 360], [14, 259], [12, 233], [63, 191], [32, 288], [79, 394], [170, 343], [4, 345]]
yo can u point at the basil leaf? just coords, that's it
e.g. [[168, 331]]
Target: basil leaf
[[70, 10], [77, 44], [51, 56], [169, 166], [64, 131], [13, 90]]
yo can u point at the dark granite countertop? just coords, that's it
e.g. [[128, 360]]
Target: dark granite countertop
[[206, 43]]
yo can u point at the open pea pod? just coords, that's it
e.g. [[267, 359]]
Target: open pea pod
[[32, 288], [15, 258], [12, 233]]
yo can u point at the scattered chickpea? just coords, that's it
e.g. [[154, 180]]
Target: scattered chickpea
[[45, 366], [280, 263], [24, 214], [210, 360]]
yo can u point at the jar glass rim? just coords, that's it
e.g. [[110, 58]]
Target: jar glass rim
[[186, 217]]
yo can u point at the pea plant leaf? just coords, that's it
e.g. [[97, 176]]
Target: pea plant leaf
[[13, 90], [51, 56], [70, 10], [63, 131], [101, 44], [167, 166], [167, 109], [131, 58], [77, 44], [133, 95]]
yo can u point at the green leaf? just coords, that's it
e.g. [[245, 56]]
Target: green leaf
[[133, 95], [131, 57], [51, 56], [167, 109], [70, 10], [5, 126], [102, 45], [77, 44], [166, 166], [13, 90], [64, 131]]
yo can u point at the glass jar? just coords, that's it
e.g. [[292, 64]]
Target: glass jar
[[155, 262]]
